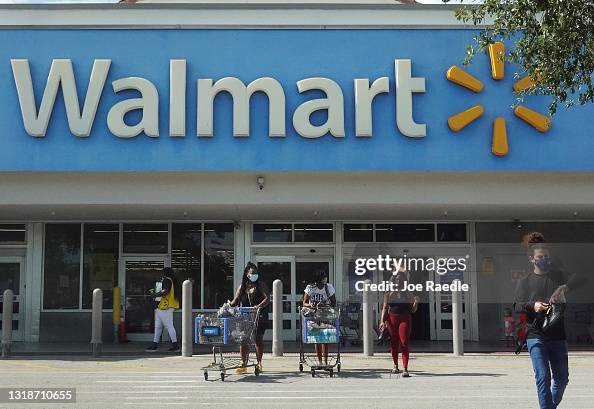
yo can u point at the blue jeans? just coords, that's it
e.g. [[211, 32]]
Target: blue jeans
[[549, 357]]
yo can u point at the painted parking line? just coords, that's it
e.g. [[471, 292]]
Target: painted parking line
[[151, 402], [144, 397], [149, 381]]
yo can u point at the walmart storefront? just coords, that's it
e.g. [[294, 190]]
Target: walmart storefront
[[203, 136]]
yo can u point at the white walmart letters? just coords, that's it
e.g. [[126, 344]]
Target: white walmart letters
[[61, 75]]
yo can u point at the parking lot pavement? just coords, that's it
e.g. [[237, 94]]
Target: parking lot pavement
[[475, 381]]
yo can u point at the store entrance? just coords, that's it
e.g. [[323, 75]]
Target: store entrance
[[12, 277], [295, 272], [433, 320], [138, 274]]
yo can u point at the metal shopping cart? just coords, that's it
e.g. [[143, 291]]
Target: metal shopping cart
[[350, 323], [227, 333], [320, 325]]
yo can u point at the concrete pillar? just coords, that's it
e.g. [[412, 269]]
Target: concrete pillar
[[186, 345], [368, 333], [7, 323], [277, 318], [457, 324], [97, 321]]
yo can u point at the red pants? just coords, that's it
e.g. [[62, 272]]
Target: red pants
[[399, 326]]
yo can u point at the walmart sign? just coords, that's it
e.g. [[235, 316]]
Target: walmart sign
[[271, 100], [61, 75]]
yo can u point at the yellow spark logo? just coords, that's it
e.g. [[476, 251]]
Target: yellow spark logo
[[499, 144]]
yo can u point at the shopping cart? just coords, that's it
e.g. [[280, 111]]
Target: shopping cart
[[320, 325], [224, 334], [350, 323]]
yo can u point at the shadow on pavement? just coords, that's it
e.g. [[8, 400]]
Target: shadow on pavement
[[460, 374], [364, 373]]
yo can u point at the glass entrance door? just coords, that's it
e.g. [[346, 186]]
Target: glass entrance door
[[12, 277], [295, 272], [138, 276], [271, 268], [440, 302], [305, 269], [443, 306]]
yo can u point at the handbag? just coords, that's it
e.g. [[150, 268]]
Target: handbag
[[555, 312], [384, 336]]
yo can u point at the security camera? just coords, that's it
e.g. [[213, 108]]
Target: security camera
[[261, 182]]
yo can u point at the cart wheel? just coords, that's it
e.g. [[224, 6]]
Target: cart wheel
[[331, 371], [300, 367], [313, 373], [338, 368], [257, 371], [223, 376], [206, 375]]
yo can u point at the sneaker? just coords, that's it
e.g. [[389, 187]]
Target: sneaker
[[259, 366], [405, 374], [153, 348], [241, 370], [396, 369], [174, 347]]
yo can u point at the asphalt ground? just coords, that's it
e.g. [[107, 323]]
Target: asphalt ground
[[474, 381]]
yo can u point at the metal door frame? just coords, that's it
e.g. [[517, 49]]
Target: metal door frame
[[122, 284], [288, 334], [19, 334]]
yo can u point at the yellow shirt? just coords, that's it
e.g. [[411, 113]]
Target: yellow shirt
[[169, 300]]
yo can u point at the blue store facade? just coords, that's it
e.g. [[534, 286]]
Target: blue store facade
[[299, 138]]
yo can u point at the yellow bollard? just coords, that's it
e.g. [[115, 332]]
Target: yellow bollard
[[116, 313]]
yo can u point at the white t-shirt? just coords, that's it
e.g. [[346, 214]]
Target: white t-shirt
[[317, 294]]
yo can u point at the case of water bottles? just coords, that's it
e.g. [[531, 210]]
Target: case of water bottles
[[323, 327]]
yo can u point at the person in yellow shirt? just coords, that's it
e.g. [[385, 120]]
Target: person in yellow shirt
[[168, 302]]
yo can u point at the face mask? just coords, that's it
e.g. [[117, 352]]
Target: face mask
[[542, 263], [253, 278]]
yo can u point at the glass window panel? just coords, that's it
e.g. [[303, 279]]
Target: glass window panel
[[451, 232], [305, 273], [350, 279], [141, 276], [272, 270], [145, 238], [404, 232], [10, 277], [273, 233], [358, 232], [100, 262], [218, 263], [12, 233], [15, 324], [314, 232], [185, 256], [61, 274]]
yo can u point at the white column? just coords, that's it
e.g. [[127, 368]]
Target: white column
[[367, 321], [277, 318], [457, 325], [186, 319]]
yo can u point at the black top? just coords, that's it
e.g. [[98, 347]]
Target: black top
[[399, 307], [539, 287], [252, 295]]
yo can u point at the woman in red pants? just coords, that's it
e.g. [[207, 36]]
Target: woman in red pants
[[396, 315]]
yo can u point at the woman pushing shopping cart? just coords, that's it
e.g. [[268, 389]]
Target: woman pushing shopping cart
[[232, 325], [224, 330], [320, 325]]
